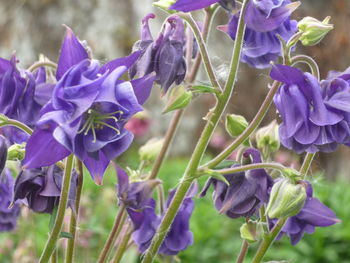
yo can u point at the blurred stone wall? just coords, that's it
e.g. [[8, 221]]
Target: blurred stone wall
[[111, 27]]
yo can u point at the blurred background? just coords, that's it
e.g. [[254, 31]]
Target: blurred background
[[111, 27]]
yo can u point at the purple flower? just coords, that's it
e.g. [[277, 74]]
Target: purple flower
[[135, 195], [40, 188], [3, 153], [8, 216], [246, 190], [164, 56], [147, 221], [17, 93], [312, 215], [87, 112], [313, 119], [261, 45]]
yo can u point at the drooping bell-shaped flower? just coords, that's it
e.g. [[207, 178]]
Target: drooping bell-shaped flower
[[164, 56], [246, 191], [40, 188], [147, 221], [89, 107], [8, 214], [313, 119], [265, 20], [314, 214], [134, 195]]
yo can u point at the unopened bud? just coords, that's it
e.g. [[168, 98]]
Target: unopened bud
[[235, 124], [313, 30], [179, 98], [252, 231], [286, 200], [151, 149], [268, 137], [16, 152]]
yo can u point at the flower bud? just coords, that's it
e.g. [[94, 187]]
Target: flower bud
[[252, 231], [313, 30], [235, 124], [179, 98], [268, 137], [16, 152], [286, 200], [151, 149]]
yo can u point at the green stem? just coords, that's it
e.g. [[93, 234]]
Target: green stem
[[248, 131], [202, 48], [56, 230], [42, 64], [202, 144], [253, 166], [54, 256], [75, 214], [243, 252], [122, 246], [113, 234], [306, 164], [17, 124], [268, 240], [309, 61]]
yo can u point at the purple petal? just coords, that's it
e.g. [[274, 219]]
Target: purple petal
[[287, 75], [142, 87], [125, 61], [190, 5], [96, 166], [116, 148], [72, 52], [123, 181]]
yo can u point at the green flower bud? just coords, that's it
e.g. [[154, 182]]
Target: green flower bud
[[151, 149], [179, 98], [286, 200], [164, 4], [252, 231], [268, 137], [16, 152], [313, 30], [235, 124]]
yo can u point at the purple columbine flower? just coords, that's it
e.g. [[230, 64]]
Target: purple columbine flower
[[88, 110], [313, 119], [313, 214], [164, 56], [246, 190], [8, 216], [265, 20], [135, 195], [40, 188], [147, 221]]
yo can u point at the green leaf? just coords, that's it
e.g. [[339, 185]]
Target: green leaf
[[216, 175], [179, 98], [66, 235], [204, 89]]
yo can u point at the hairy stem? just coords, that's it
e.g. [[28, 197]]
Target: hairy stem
[[309, 61], [75, 214], [56, 230], [17, 124], [122, 245], [248, 131], [306, 164], [253, 166], [113, 234], [42, 64], [202, 144]]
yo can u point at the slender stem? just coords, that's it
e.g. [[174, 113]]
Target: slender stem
[[306, 164], [309, 61], [112, 235], [169, 136], [54, 256], [248, 131], [56, 230], [17, 124], [202, 48], [268, 240], [202, 144], [122, 245], [75, 214], [253, 166], [243, 252], [42, 64]]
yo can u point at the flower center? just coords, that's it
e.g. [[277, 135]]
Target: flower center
[[96, 120]]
